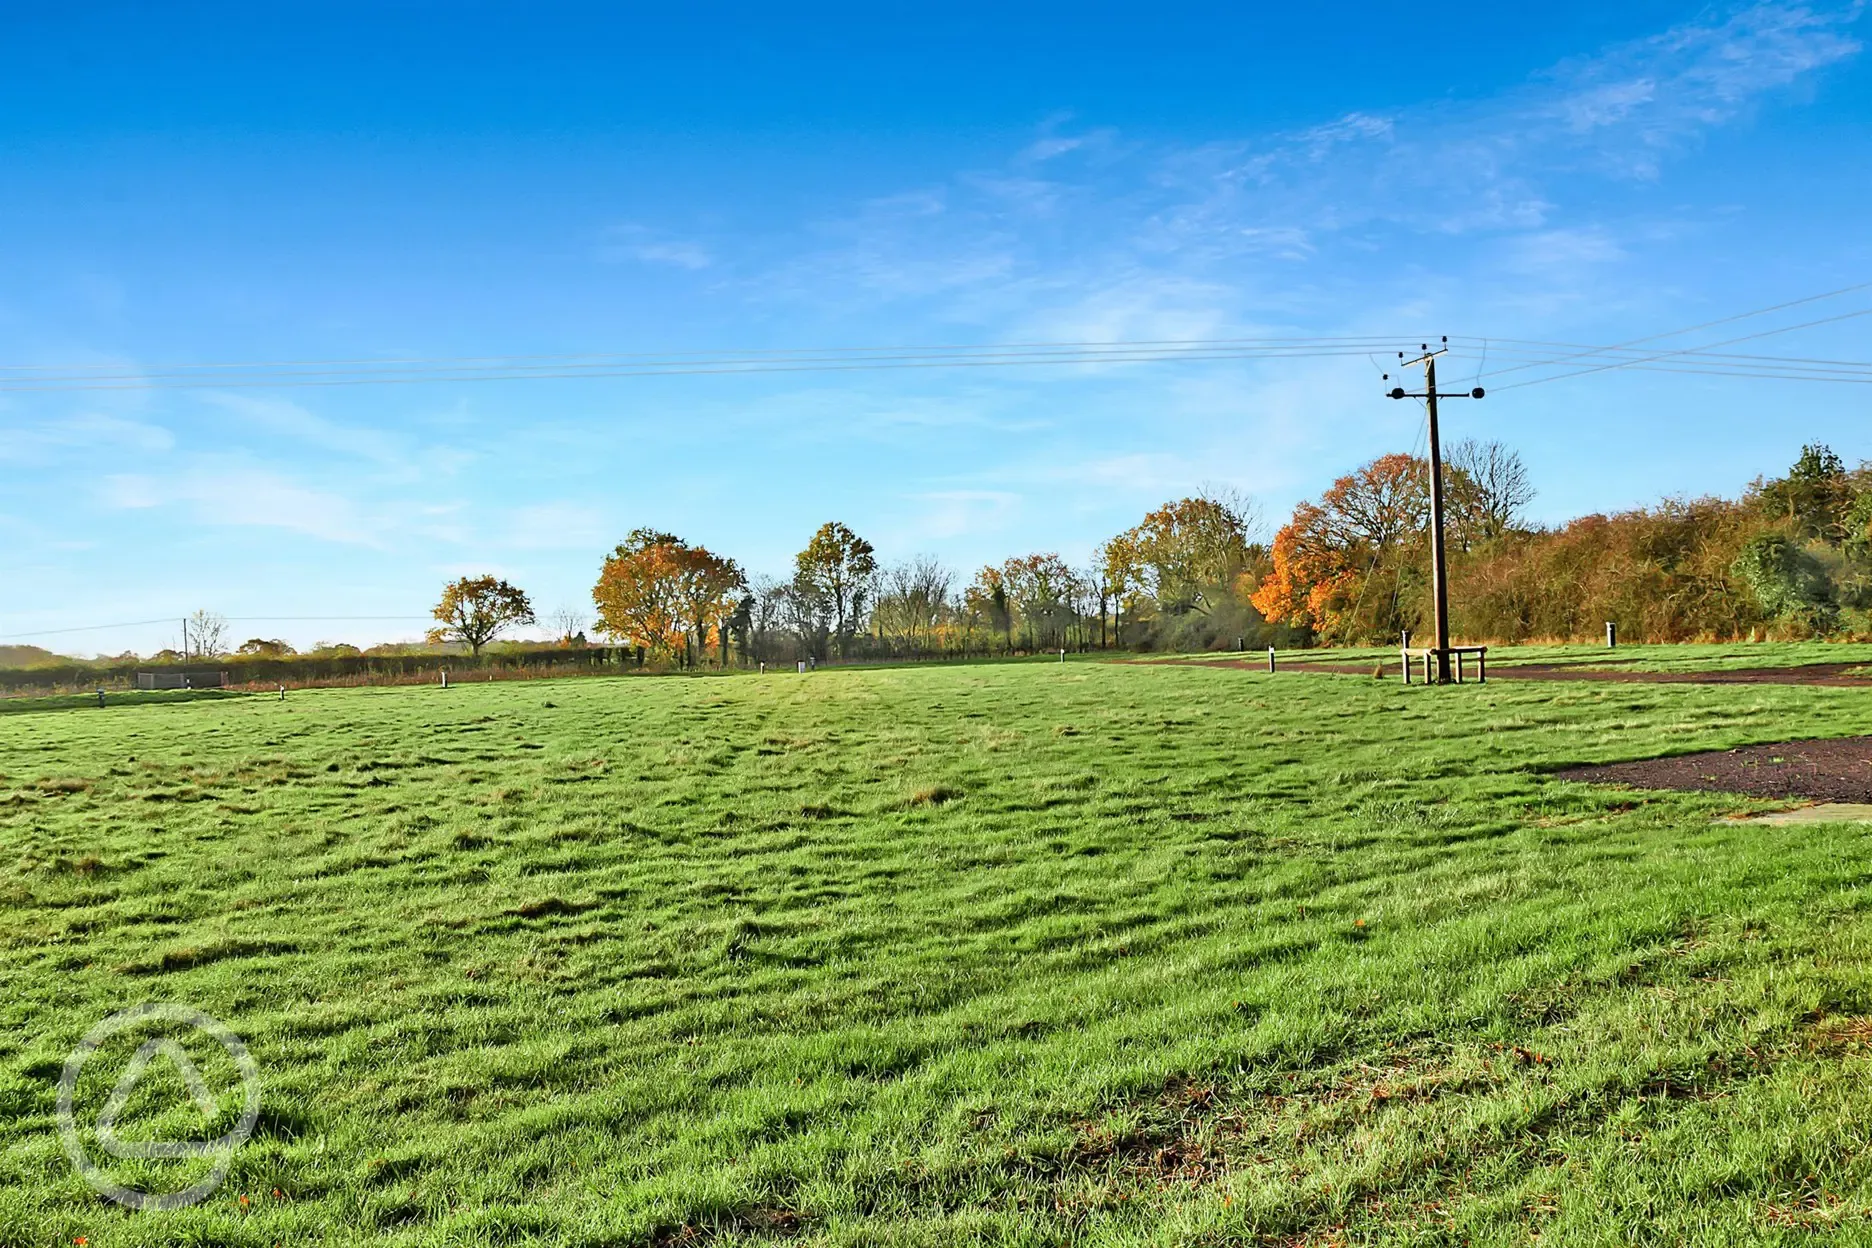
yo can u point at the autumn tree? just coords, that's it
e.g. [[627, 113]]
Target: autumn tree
[[835, 571], [986, 599], [476, 609], [708, 590], [1330, 555], [1040, 590], [1121, 565], [640, 594], [1188, 552]]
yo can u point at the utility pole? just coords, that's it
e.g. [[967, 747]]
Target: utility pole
[[1439, 574]]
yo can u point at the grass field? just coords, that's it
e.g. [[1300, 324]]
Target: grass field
[[1682, 657], [1088, 953]]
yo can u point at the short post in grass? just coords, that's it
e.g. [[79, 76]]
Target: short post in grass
[[445, 678], [100, 695], [282, 693], [1270, 658], [1062, 654], [1404, 653], [1611, 635]]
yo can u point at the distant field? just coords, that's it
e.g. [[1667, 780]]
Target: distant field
[[1091, 953]]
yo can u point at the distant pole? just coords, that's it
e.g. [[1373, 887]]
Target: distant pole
[[1439, 576], [185, 641]]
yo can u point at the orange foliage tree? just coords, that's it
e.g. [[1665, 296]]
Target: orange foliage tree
[[477, 609], [1345, 567], [640, 596]]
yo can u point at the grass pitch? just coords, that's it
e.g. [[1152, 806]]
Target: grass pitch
[[1100, 954]]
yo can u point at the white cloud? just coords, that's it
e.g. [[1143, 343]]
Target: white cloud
[[87, 434], [293, 420], [946, 514], [553, 526], [240, 495]]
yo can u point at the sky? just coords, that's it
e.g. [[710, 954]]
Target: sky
[[201, 183]]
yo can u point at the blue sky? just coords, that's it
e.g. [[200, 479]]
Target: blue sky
[[232, 183]]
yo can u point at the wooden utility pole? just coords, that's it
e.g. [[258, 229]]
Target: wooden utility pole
[[1439, 573]]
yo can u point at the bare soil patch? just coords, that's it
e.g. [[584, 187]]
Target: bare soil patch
[[1834, 770]]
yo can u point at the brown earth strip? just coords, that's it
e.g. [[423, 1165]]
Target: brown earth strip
[[1834, 770], [1830, 674]]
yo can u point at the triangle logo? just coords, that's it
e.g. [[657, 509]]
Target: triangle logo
[[133, 1074]]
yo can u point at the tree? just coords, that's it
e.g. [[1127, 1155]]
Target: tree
[[568, 623], [1122, 566], [477, 609], [262, 648], [1039, 589], [640, 594], [913, 603], [1365, 531], [1814, 498], [837, 568], [987, 600], [1491, 483], [1788, 582], [1187, 554], [207, 635], [708, 588]]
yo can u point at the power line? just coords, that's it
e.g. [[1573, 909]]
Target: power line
[[686, 363], [1766, 333], [377, 361], [566, 375], [1675, 333], [232, 619]]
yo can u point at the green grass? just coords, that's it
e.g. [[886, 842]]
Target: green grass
[[1683, 657], [1025, 954], [114, 699]]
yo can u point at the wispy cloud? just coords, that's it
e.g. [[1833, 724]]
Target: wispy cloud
[[1080, 217], [84, 434], [238, 494], [645, 246], [287, 419]]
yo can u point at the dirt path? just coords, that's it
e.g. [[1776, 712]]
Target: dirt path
[[1833, 674], [1835, 770]]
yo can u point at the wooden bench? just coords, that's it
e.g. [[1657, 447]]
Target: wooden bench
[[1456, 652]]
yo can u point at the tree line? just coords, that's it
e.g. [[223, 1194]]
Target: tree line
[[1790, 558], [1168, 582]]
